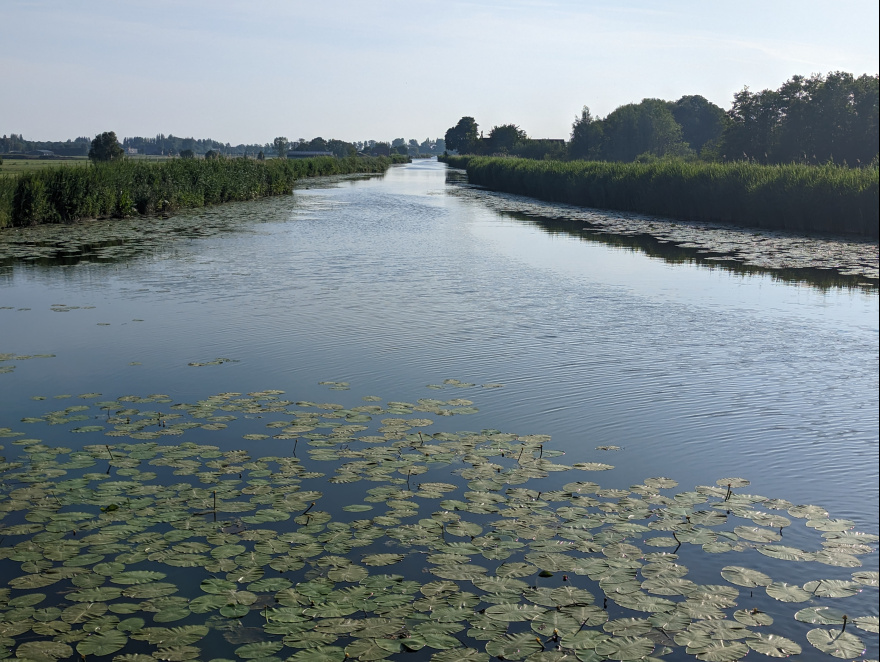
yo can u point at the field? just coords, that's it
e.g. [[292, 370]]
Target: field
[[18, 166]]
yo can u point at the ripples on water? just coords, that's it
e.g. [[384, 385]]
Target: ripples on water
[[393, 283]]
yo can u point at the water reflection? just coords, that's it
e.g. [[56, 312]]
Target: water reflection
[[823, 262], [672, 253]]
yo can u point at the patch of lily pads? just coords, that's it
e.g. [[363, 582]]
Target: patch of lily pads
[[364, 533]]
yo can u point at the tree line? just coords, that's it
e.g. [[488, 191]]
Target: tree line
[[809, 120], [171, 145]]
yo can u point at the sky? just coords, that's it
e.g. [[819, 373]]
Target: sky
[[247, 71]]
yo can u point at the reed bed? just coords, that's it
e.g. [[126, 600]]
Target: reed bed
[[799, 198], [129, 188]]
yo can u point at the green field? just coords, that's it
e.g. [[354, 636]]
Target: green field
[[18, 166]]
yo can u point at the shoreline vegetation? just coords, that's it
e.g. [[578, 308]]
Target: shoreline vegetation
[[131, 188], [796, 198]]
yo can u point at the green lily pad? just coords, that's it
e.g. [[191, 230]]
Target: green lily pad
[[102, 643], [836, 643]]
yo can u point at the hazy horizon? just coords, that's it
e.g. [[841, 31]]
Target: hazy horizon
[[246, 73]]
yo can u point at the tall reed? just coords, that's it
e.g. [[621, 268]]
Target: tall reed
[[800, 198], [127, 188]]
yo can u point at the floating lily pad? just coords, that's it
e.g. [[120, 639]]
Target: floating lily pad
[[836, 643]]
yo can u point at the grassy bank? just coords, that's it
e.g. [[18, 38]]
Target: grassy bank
[[65, 194], [799, 198]]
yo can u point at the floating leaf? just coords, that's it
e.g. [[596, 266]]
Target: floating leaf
[[832, 588], [745, 576], [102, 643], [773, 645], [836, 643]]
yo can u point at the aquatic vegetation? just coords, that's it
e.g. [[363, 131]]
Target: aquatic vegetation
[[131, 188], [461, 545], [798, 198]]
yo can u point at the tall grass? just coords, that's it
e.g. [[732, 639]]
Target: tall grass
[[127, 188], [800, 198]]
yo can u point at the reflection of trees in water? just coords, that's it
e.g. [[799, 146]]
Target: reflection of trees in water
[[672, 253]]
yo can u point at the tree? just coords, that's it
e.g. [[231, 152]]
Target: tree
[[280, 144], [586, 136], [701, 121], [105, 147], [463, 136], [261, 156], [504, 139], [187, 154], [644, 128], [212, 154]]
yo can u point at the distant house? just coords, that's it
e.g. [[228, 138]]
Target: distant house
[[131, 150], [296, 154], [41, 152]]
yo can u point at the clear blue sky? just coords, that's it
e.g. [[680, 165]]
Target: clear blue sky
[[383, 69]]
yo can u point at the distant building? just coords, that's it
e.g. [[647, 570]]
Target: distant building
[[296, 154], [41, 152], [131, 150]]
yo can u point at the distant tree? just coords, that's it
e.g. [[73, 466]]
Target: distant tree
[[341, 148], [261, 156], [317, 145], [105, 147], [643, 128], [400, 149], [212, 154], [280, 143], [187, 154], [463, 136], [380, 149], [505, 138], [586, 136], [754, 118], [398, 142], [701, 121]]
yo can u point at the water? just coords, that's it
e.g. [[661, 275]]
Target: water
[[398, 282]]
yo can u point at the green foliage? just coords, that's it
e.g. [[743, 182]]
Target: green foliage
[[504, 139], [105, 147], [793, 197], [586, 136], [7, 191], [646, 127], [187, 154], [807, 120], [463, 136], [281, 144], [61, 195], [702, 122]]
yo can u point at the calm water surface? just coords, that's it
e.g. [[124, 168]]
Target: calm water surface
[[397, 282], [394, 283]]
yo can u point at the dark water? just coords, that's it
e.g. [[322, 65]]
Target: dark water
[[395, 283]]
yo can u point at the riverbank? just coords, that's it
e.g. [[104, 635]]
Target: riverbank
[[131, 188], [794, 198]]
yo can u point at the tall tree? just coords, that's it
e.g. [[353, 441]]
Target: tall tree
[[643, 128], [280, 143], [701, 121], [105, 147], [505, 138], [586, 136], [463, 136]]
